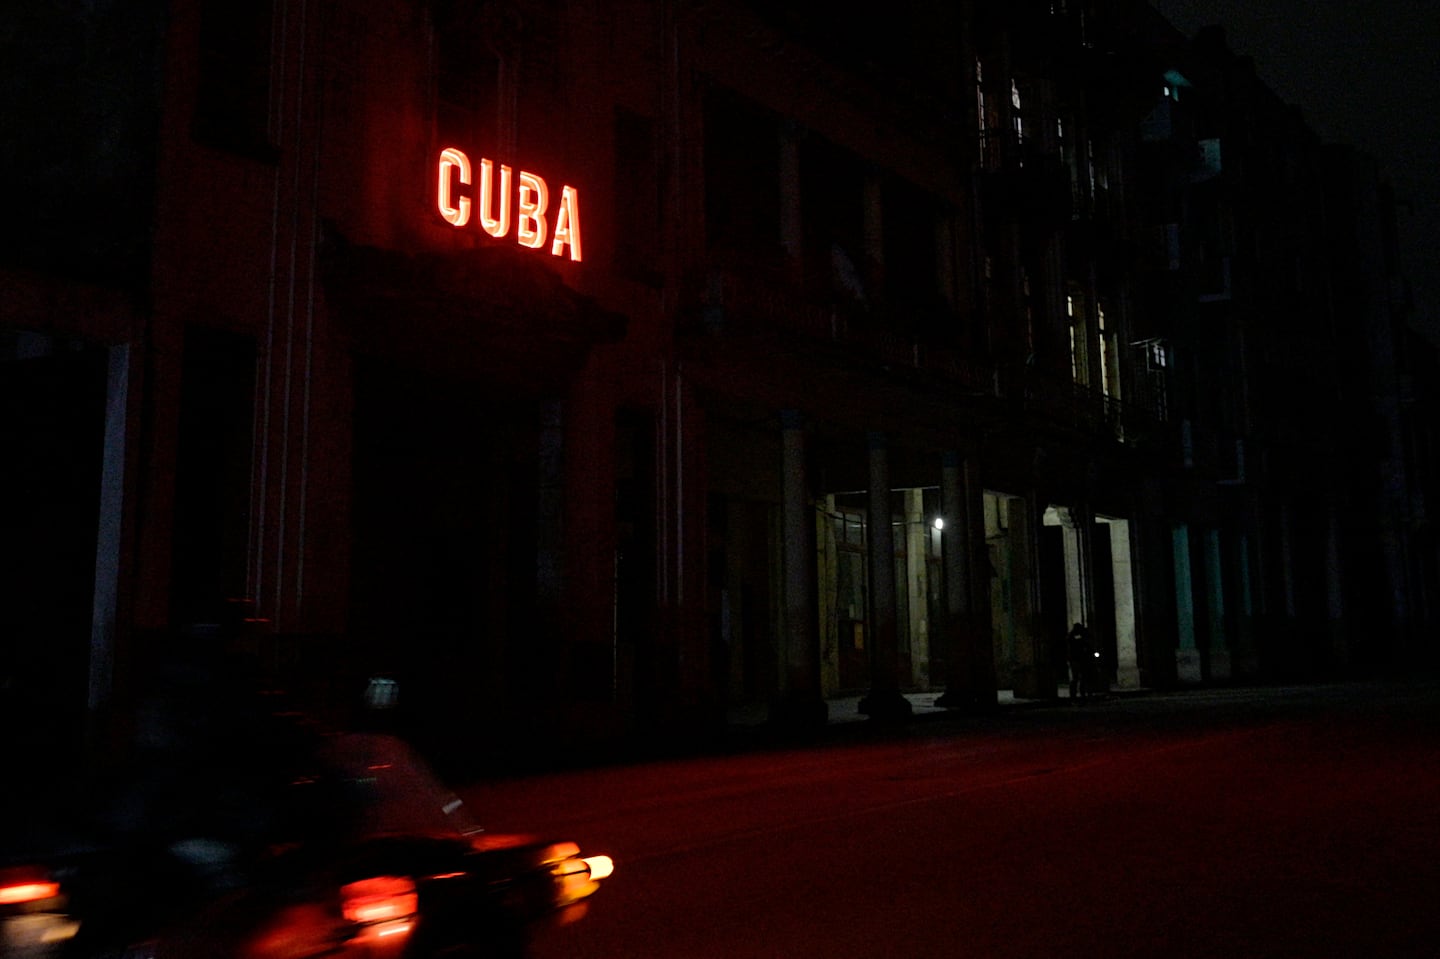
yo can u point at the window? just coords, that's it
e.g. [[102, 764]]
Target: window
[[212, 471], [1071, 161], [232, 103], [639, 192], [1074, 350], [742, 175], [989, 121], [911, 277], [832, 214], [1017, 120], [1075, 320], [1028, 307], [467, 83], [1151, 369], [1109, 354]]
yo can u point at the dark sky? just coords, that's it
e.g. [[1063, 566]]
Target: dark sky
[[1365, 72]]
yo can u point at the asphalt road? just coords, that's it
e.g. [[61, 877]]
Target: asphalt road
[[1300, 822]]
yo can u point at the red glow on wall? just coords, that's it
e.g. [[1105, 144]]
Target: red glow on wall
[[531, 209]]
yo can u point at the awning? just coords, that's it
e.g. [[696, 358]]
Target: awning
[[489, 311]]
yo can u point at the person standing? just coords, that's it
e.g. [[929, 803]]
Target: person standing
[[1081, 652]]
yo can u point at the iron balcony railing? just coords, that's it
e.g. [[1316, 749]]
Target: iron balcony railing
[[748, 303], [738, 302]]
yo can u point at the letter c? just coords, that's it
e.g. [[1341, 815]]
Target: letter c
[[455, 210]]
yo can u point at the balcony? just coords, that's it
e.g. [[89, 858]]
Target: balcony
[[1076, 408], [738, 304], [1033, 188]]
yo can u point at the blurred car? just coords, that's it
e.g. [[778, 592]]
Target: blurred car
[[295, 845]]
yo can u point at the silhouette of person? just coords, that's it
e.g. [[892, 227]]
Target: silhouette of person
[[1081, 652]]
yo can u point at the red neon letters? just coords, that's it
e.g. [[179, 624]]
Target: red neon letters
[[532, 202]]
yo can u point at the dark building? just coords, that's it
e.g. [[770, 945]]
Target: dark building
[[601, 368]]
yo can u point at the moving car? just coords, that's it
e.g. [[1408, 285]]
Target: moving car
[[292, 845]]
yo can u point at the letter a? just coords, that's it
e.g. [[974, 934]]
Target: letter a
[[567, 224]]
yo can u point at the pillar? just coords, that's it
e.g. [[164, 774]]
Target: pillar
[[1219, 652], [1076, 559], [917, 581], [105, 614], [1250, 590], [1033, 676], [1187, 656], [287, 562], [884, 701], [800, 698], [969, 653], [1335, 590], [1127, 673], [956, 563], [982, 646], [1287, 653]]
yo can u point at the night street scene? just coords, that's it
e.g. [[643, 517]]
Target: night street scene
[[629, 478]]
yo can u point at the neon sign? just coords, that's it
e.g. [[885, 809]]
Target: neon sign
[[492, 204]]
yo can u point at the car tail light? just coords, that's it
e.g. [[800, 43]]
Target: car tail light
[[383, 908], [578, 878], [32, 914], [382, 899], [27, 891], [600, 866]]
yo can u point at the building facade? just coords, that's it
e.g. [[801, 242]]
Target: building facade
[[592, 369]]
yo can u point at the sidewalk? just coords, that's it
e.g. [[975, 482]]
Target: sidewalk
[[846, 709]]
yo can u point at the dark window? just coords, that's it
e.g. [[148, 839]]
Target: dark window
[[639, 195], [742, 176], [467, 81], [832, 192], [212, 472], [911, 280], [987, 110], [232, 105]]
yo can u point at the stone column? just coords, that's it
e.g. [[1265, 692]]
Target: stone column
[[800, 701], [1076, 561], [885, 701], [105, 614], [917, 552], [982, 643], [1287, 651], [969, 656], [1335, 590], [953, 542], [1219, 651], [1033, 676], [1187, 656], [1127, 667], [1245, 661]]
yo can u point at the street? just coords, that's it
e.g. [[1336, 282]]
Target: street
[[1268, 822]]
